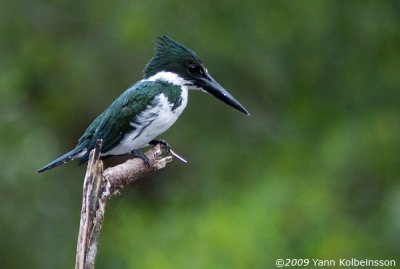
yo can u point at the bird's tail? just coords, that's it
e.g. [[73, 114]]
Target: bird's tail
[[69, 156]]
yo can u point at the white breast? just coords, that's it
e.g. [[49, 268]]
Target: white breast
[[158, 119]]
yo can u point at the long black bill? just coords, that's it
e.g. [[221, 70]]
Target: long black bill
[[209, 84]]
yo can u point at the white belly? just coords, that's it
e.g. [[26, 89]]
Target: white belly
[[159, 118]]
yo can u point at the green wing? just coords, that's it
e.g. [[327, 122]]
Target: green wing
[[114, 122]]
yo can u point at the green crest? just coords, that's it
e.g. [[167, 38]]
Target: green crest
[[171, 56]]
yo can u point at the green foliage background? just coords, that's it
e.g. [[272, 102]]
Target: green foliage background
[[313, 173]]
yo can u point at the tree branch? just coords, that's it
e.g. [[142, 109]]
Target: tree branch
[[98, 187]]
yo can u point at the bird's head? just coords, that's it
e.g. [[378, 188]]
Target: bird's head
[[175, 58]]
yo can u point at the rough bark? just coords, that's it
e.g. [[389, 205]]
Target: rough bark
[[98, 187]]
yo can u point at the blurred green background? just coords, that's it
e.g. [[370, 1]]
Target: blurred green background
[[313, 173]]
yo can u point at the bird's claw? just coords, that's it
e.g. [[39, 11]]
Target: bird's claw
[[138, 154], [163, 143], [167, 148]]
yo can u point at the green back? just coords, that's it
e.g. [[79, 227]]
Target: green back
[[114, 123]]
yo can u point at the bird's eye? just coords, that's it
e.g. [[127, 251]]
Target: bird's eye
[[195, 69]]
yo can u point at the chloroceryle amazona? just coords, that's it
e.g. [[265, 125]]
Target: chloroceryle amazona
[[150, 106]]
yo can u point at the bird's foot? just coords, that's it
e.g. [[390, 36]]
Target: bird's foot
[[138, 154], [167, 148], [163, 143]]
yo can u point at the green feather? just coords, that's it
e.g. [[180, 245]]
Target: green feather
[[170, 56], [114, 123]]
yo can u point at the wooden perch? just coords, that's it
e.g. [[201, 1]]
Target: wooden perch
[[98, 187]]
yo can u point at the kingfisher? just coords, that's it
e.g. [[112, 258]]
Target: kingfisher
[[148, 107]]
